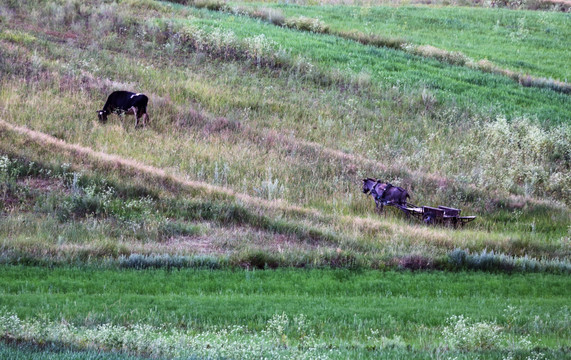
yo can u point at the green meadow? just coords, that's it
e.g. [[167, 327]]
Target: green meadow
[[363, 314], [391, 67], [233, 225], [532, 42]]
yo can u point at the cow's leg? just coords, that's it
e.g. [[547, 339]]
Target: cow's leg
[[145, 119], [122, 114], [134, 110]]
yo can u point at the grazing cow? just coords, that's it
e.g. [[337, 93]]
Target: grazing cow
[[384, 193], [125, 102]]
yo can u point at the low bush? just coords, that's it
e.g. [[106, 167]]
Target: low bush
[[274, 16], [450, 57], [169, 229], [307, 24], [167, 261], [373, 39], [416, 262], [257, 260], [490, 261]]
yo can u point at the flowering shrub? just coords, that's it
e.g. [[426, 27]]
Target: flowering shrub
[[307, 24], [526, 159], [259, 47], [5, 175], [464, 335], [10, 169], [234, 342]]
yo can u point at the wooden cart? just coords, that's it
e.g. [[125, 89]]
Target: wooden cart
[[441, 215]]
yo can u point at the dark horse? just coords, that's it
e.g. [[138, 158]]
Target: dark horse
[[384, 193]]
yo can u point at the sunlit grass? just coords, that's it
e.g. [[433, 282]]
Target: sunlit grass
[[223, 167]]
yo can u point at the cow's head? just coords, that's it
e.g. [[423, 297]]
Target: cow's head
[[102, 114]]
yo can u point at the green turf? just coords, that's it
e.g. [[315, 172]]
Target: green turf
[[396, 68], [340, 304], [532, 42]]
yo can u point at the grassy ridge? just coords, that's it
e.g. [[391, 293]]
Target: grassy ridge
[[547, 5], [83, 219]]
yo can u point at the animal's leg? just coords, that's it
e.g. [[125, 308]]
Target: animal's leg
[[145, 119], [134, 110], [379, 207]]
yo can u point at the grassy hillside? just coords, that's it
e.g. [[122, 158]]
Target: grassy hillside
[[259, 138], [390, 67]]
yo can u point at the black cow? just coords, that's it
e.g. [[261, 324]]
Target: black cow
[[125, 102]]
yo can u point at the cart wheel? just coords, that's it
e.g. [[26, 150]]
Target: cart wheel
[[428, 219]]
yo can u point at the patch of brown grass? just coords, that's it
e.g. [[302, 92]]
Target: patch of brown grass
[[44, 184]]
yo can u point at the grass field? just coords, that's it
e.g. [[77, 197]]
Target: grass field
[[391, 67], [535, 43], [345, 313], [234, 226]]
